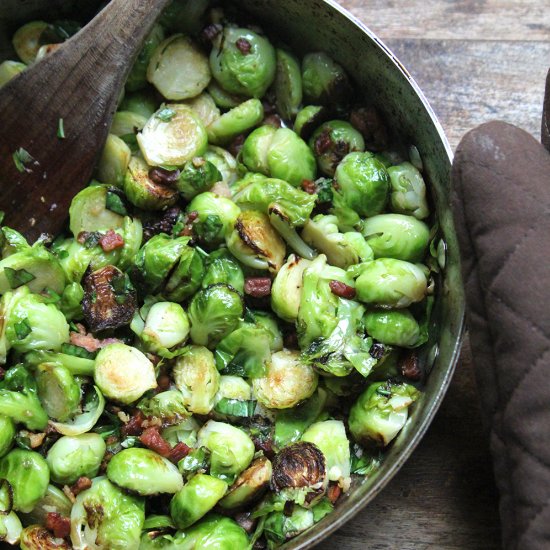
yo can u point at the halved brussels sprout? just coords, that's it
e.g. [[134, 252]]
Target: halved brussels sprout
[[288, 84], [9, 70], [167, 406], [249, 486], [397, 236], [172, 136], [11, 530], [231, 449], [77, 366], [332, 141], [58, 391], [361, 189], [330, 437], [391, 283], [106, 517], [144, 472], [114, 161], [243, 62], [309, 118], [255, 243], [197, 378], [137, 79], [408, 191], [288, 382], [123, 373], [255, 148], [185, 432], [197, 176], [178, 68], [225, 162], [73, 456], [127, 123], [279, 527], [7, 434], [299, 473], [222, 98], [186, 278], [197, 497], [214, 312], [380, 412], [28, 475], [36, 537], [27, 40], [324, 81], [394, 328], [286, 290], [142, 191], [234, 387], [166, 326], [239, 119], [55, 500], [221, 267], [341, 249], [205, 107]]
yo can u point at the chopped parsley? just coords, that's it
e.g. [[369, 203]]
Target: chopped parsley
[[166, 114], [114, 203], [22, 158]]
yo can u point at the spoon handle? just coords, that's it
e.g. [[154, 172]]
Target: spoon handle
[[78, 86]]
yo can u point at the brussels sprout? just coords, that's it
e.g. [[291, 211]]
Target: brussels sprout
[[341, 249], [243, 62], [127, 123], [249, 486], [234, 387], [89, 211], [31, 324], [114, 161], [330, 437], [224, 161], [198, 496], [231, 449], [28, 475], [172, 136], [362, 188], [332, 141], [255, 243], [222, 98], [286, 290], [239, 119], [185, 432], [216, 216], [11, 529], [279, 527], [28, 39], [397, 236], [265, 194], [9, 70], [92, 409], [168, 406], [269, 322], [142, 191], [221, 267], [178, 68], [317, 315], [205, 107], [309, 118], [7, 434], [77, 366], [35, 267], [197, 176], [245, 351], [18, 399], [279, 153], [300, 473], [58, 391], [214, 312], [106, 517], [144, 472], [36, 537], [166, 326], [391, 283], [288, 381], [123, 373], [55, 500], [71, 457], [137, 79], [184, 15], [143, 103], [324, 81], [290, 424], [408, 191], [196, 376], [157, 259], [288, 84], [394, 328], [380, 413]]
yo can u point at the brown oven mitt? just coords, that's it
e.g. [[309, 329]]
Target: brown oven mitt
[[501, 204]]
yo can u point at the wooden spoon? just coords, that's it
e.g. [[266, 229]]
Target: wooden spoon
[[77, 88]]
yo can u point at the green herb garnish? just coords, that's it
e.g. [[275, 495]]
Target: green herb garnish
[[22, 329], [17, 277], [166, 114], [114, 203], [22, 158], [61, 129]]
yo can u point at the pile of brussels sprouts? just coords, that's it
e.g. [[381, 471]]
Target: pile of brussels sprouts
[[227, 331]]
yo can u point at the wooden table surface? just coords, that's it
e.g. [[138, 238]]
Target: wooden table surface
[[475, 60]]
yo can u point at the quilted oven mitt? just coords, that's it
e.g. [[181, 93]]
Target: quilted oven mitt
[[501, 204]]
